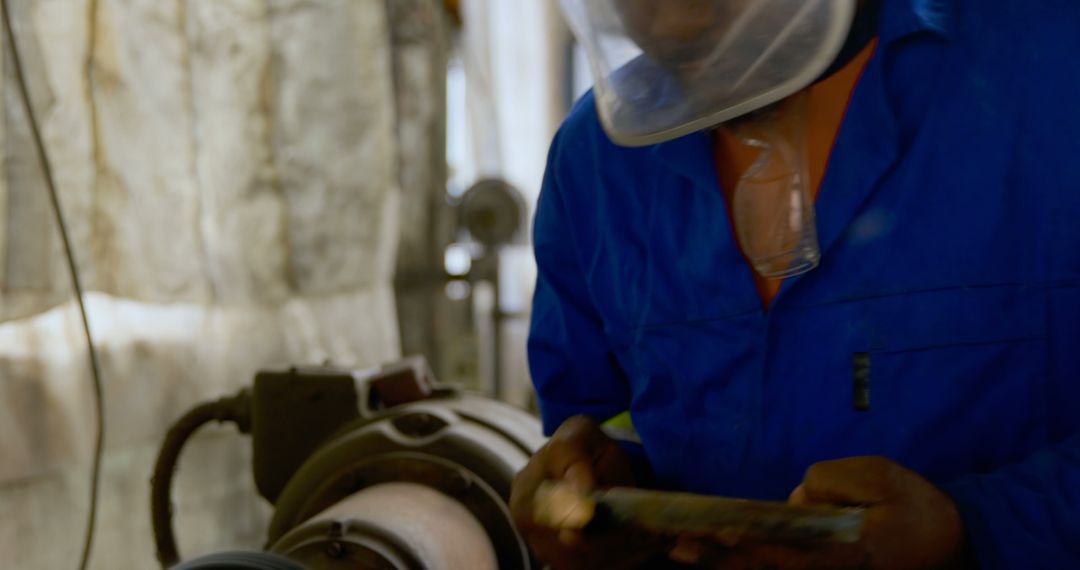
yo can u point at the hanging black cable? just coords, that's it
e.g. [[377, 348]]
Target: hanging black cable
[[54, 199], [234, 409]]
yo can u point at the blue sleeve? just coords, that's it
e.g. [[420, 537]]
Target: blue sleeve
[[572, 368], [1026, 515]]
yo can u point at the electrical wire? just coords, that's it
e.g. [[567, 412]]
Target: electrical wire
[[54, 198], [234, 409]]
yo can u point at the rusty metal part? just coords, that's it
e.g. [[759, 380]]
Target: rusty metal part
[[403, 382], [398, 526], [672, 514]]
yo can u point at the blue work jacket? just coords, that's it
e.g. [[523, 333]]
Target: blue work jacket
[[942, 328]]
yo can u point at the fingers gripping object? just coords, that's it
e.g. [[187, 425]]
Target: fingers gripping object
[[560, 506]]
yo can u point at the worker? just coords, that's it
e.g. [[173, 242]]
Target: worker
[[817, 251]]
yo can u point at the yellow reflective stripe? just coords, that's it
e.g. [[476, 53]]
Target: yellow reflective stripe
[[621, 421], [621, 427]]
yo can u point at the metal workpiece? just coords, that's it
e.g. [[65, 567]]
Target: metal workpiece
[[665, 513]]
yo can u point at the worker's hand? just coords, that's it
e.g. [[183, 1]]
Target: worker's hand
[[910, 524], [581, 455]]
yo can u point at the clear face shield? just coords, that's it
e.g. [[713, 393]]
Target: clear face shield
[[666, 68]]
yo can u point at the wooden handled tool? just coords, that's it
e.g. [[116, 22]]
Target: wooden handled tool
[[559, 506]]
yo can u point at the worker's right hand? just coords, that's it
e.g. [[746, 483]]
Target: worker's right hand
[[581, 455]]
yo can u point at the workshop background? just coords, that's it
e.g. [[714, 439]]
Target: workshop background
[[251, 183]]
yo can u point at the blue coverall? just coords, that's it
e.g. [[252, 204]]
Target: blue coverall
[[941, 330]]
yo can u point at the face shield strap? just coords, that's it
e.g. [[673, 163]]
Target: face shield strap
[[863, 30]]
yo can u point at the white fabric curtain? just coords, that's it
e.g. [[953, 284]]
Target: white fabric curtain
[[229, 170]]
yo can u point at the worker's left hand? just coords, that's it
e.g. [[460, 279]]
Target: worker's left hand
[[910, 524]]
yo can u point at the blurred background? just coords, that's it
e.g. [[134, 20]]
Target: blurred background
[[246, 184]]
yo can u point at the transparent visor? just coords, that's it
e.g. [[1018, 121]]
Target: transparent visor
[[666, 68]]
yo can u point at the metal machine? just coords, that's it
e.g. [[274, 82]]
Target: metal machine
[[372, 469]]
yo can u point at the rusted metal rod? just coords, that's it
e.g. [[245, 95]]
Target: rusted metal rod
[[557, 505]]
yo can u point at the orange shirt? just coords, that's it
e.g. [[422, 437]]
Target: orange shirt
[[827, 102]]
